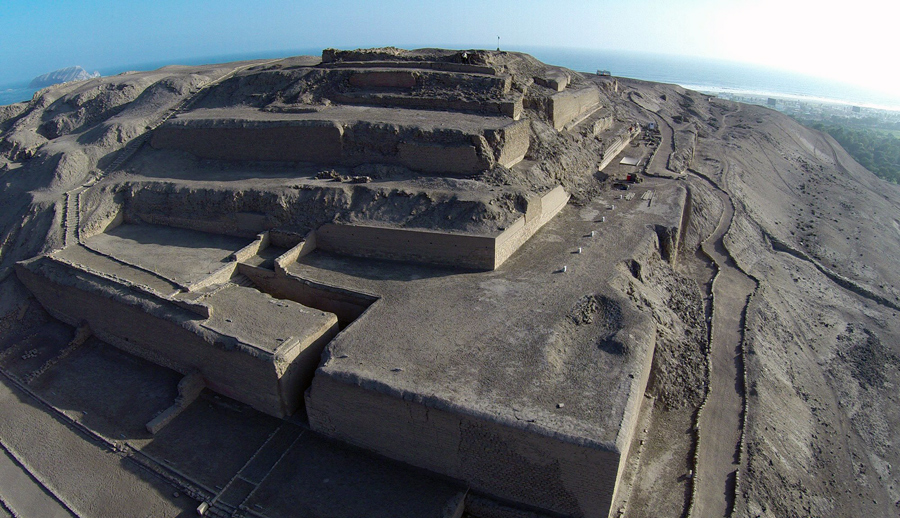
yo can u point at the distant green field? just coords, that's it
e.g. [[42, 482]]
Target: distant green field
[[876, 149], [895, 133]]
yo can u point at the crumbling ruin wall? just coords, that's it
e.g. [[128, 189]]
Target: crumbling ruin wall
[[510, 144], [441, 158], [510, 106], [411, 78], [511, 463], [613, 148], [554, 78], [383, 79], [330, 143], [681, 158]]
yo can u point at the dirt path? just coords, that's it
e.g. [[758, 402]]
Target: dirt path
[[666, 146], [720, 420]]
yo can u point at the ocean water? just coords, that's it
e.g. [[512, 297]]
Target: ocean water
[[710, 76], [20, 91], [714, 76]]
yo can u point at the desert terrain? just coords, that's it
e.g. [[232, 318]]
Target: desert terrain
[[717, 339]]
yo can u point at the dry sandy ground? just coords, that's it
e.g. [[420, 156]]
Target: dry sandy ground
[[819, 235], [816, 344]]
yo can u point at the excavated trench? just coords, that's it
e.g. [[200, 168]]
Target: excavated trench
[[720, 419]]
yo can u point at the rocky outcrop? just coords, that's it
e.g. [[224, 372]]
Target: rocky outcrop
[[63, 75]]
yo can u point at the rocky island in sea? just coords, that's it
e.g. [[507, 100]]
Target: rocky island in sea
[[63, 75]]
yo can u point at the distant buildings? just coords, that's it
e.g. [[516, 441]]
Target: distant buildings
[[812, 109]]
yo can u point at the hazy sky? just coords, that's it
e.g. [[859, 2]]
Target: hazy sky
[[852, 41]]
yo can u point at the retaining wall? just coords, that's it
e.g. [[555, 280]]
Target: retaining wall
[[331, 60], [297, 141], [150, 330], [540, 210], [556, 80], [510, 463], [439, 158], [459, 250], [383, 79], [568, 105], [165, 332], [406, 78], [422, 246], [440, 151], [616, 145], [509, 144], [511, 106], [531, 464]]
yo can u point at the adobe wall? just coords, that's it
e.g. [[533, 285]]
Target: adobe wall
[[554, 79], [299, 141], [295, 364], [603, 123], [406, 78], [258, 245], [507, 462], [458, 250], [461, 68], [644, 331], [332, 58], [566, 106], [511, 107], [296, 250], [163, 334], [440, 158], [510, 144], [439, 151], [383, 79], [540, 210]]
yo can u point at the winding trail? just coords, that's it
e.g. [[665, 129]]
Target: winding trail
[[720, 421]]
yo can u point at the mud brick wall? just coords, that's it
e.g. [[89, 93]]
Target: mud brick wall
[[569, 104], [164, 335], [490, 457]]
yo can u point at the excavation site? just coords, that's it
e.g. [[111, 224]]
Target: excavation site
[[438, 283]]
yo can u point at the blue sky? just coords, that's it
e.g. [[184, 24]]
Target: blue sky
[[812, 37]]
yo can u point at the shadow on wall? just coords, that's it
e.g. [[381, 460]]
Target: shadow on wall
[[378, 269]]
